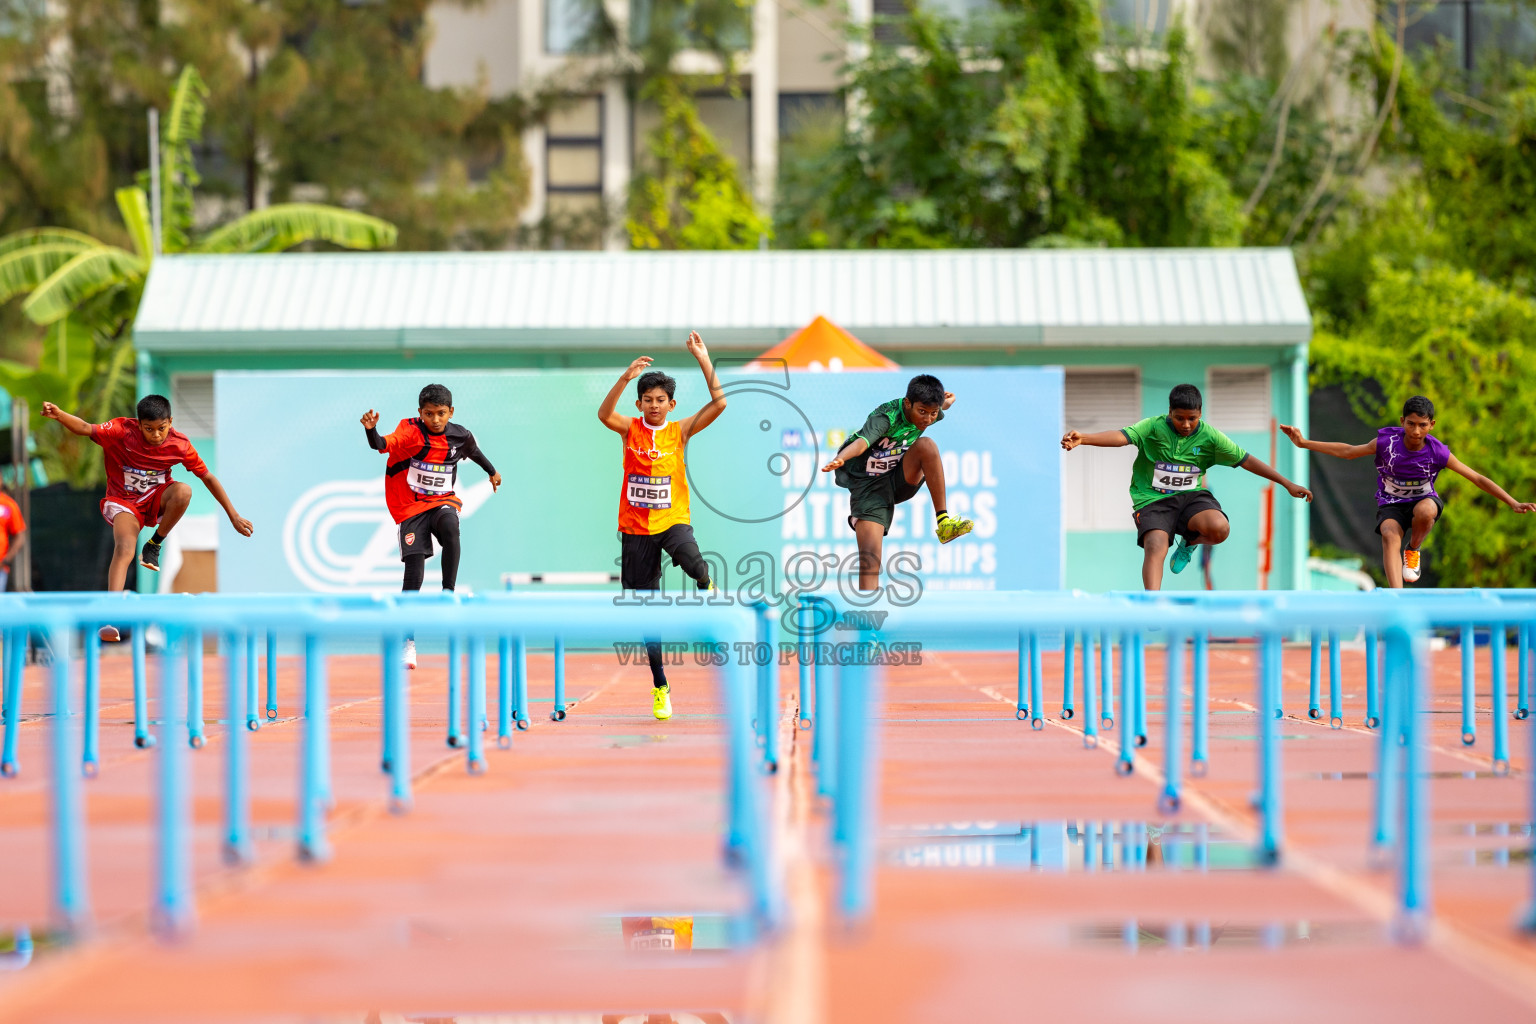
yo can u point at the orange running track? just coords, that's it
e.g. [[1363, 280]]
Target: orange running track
[[501, 894]]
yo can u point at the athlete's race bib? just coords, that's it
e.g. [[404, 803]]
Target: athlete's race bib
[[429, 479], [1174, 477], [882, 461], [142, 481], [1398, 488], [648, 491]]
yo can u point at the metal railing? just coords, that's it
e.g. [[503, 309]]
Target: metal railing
[[514, 622]]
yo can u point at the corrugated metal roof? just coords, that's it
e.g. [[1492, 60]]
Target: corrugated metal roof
[[601, 300]]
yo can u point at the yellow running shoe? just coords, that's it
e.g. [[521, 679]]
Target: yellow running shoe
[[1410, 566], [951, 527], [661, 702]]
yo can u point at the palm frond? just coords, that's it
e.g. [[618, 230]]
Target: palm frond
[[184, 123], [69, 350], [115, 391], [289, 224], [46, 236], [23, 270], [133, 204], [89, 273], [179, 177]]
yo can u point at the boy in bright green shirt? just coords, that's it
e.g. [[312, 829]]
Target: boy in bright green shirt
[[1168, 493]]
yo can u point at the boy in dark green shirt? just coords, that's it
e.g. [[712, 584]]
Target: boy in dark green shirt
[[884, 463], [1168, 492]]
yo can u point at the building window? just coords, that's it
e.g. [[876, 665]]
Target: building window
[[1095, 481], [192, 404], [1237, 399], [573, 159], [801, 110], [1471, 31], [571, 26], [701, 26], [1134, 19], [728, 118]]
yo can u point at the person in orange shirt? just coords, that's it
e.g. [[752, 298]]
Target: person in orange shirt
[[653, 492], [12, 525]]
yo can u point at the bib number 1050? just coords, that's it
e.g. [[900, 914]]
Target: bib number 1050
[[648, 491]]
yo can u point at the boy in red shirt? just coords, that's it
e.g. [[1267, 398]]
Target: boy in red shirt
[[419, 485], [12, 525], [140, 455]]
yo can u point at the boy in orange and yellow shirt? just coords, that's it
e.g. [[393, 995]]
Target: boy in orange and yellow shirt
[[653, 498]]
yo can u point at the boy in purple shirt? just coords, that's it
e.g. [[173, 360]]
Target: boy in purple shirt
[[1408, 459]]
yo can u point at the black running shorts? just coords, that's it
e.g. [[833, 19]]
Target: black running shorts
[[874, 498], [640, 557], [415, 533], [1172, 515], [1401, 512]]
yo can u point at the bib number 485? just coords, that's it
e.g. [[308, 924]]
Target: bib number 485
[[1169, 478]]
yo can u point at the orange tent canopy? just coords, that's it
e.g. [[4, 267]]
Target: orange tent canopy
[[822, 345]]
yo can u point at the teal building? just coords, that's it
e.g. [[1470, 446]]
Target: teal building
[[1126, 325]]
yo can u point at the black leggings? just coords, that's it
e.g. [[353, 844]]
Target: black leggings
[[445, 530]]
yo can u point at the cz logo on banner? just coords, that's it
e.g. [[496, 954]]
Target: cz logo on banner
[[333, 562]]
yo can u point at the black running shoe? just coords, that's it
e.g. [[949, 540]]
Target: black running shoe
[[149, 557]]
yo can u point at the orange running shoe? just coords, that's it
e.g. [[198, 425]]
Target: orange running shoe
[[1410, 566]]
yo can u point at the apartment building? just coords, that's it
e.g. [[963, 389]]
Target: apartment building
[[788, 66], [585, 154]]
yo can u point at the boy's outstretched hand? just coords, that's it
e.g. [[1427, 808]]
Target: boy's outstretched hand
[[1298, 491], [370, 419], [695, 345], [1293, 433], [50, 411], [243, 525], [638, 367], [495, 482], [836, 463], [1524, 506], [1071, 439]]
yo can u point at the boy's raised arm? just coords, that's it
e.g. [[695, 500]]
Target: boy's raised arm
[[1456, 465], [72, 423], [1103, 439], [716, 405], [852, 450], [370, 423], [1338, 449], [1258, 467], [605, 412]]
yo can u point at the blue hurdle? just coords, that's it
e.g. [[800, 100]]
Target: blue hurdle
[[317, 622]]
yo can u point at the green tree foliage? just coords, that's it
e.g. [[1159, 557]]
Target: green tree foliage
[[1015, 127], [1247, 37], [688, 195], [86, 291], [1471, 346], [319, 100]]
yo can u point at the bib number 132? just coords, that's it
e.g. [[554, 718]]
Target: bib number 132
[[1171, 478]]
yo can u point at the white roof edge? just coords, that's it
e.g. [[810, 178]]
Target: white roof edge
[[1247, 295]]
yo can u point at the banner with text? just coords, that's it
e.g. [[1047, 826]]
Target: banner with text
[[758, 496]]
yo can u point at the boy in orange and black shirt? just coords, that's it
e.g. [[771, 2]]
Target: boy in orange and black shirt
[[653, 496], [12, 526], [419, 482]]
